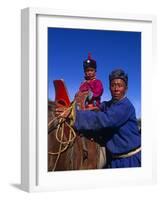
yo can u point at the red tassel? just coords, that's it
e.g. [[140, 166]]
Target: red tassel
[[89, 56]]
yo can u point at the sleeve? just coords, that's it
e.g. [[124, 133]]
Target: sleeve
[[102, 106], [96, 88], [114, 117], [84, 87]]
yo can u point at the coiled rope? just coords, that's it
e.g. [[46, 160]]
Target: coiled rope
[[63, 145]]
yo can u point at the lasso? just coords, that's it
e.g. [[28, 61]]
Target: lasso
[[63, 145]]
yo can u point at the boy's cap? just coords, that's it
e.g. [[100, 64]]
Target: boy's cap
[[89, 62]]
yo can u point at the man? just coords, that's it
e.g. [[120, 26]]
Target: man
[[115, 122]]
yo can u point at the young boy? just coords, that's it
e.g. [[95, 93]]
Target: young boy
[[91, 85]]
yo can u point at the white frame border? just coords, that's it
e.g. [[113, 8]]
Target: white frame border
[[29, 86]]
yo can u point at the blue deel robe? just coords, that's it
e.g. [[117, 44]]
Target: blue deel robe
[[117, 124]]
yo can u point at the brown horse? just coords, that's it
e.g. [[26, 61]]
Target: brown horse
[[68, 150]]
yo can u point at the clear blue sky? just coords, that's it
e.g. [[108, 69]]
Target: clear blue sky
[[67, 48]]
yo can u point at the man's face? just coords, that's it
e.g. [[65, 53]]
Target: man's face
[[90, 73], [118, 89]]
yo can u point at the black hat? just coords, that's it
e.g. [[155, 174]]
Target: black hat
[[118, 73], [89, 62]]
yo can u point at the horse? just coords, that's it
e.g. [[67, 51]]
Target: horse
[[67, 149]]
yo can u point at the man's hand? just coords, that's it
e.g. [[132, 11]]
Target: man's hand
[[62, 112]]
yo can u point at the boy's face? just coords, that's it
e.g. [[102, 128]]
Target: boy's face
[[118, 89], [90, 73]]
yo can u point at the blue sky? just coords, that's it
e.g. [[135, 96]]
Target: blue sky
[[67, 48]]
